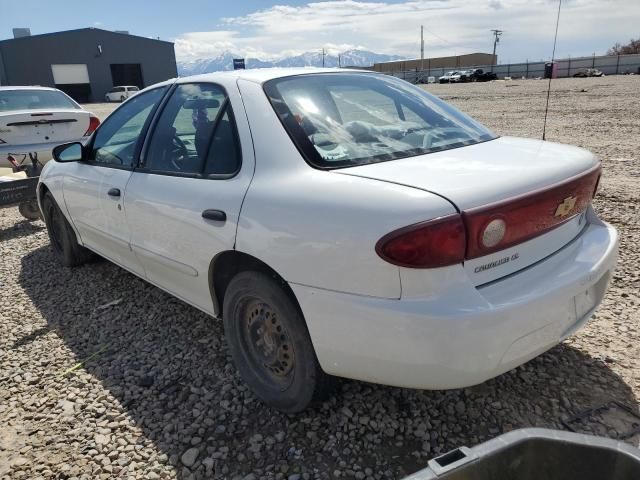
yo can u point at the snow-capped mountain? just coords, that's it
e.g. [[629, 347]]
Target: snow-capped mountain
[[350, 58]]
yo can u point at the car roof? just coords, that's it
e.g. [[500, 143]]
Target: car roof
[[261, 75], [26, 87]]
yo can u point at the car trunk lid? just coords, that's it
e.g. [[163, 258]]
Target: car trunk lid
[[32, 127], [535, 192]]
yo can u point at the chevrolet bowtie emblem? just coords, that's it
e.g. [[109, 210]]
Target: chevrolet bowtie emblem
[[566, 206]]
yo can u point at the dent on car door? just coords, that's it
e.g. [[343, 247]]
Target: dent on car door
[[193, 163], [94, 190]]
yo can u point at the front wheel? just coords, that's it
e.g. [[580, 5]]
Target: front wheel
[[270, 343], [122, 98], [61, 235]]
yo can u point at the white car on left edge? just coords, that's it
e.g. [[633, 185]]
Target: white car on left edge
[[36, 119], [340, 223]]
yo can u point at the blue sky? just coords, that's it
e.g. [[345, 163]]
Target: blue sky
[[268, 29]]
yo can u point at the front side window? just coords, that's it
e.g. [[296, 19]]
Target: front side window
[[340, 120], [117, 138], [195, 134], [25, 99]]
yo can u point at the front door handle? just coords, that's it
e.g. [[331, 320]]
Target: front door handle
[[114, 192], [212, 214]]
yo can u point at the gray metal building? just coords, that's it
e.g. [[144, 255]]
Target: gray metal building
[[87, 62]]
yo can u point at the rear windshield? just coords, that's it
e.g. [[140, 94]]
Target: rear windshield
[[339, 120], [33, 100]]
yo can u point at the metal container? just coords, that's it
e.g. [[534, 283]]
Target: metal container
[[537, 454]]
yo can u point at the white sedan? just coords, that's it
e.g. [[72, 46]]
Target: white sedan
[[341, 223], [36, 119], [449, 77]]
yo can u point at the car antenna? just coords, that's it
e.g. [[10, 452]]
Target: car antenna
[[553, 56]]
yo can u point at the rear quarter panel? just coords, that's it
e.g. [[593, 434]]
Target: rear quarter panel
[[319, 228]]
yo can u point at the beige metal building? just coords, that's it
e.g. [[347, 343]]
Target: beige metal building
[[457, 61]]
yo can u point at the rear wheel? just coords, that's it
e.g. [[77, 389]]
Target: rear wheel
[[122, 98], [270, 343], [62, 237]]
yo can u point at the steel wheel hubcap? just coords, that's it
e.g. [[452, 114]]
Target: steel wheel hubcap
[[268, 340]]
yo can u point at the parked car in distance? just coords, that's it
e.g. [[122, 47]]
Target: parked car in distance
[[120, 93], [589, 72], [456, 77], [477, 75], [465, 76], [340, 223], [446, 78], [36, 119]]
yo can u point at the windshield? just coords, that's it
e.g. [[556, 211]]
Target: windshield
[[340, 120], [33, 100]]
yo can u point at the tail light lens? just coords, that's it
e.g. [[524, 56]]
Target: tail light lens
[[93, 124], [480, 231], [528, 216], [436, 243]]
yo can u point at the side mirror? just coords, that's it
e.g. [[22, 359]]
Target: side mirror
[[68, 152]]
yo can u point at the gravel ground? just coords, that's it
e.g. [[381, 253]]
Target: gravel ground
[[103, 375]]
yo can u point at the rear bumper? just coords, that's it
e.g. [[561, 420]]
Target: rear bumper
[[42, 149], [467, 335]]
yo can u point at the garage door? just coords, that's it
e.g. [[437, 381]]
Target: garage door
[[70, 73], [72, 79]]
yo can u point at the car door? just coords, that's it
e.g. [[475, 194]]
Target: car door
[[183, 202], [94, 190]]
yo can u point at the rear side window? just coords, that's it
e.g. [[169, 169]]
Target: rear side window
[[133, 89], [24, 99], [340, 120], [195, 134]]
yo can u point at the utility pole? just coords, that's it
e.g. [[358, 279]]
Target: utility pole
[[496, 39], [339, 61], [323, 58], [421, 47]]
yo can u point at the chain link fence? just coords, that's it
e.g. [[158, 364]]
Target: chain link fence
[[568, 67]]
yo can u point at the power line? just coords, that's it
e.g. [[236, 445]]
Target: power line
[[457, 47], [496, 39]]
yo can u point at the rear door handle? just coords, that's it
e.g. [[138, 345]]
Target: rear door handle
[[212, 214], [114, 192]]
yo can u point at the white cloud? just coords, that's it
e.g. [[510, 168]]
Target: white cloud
[[451, 27]]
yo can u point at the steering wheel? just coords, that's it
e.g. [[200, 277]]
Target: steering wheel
[[178, 153]]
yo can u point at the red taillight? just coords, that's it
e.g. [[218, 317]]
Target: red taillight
[[436, 243], [93, 124], [490, 228], [528, 216]]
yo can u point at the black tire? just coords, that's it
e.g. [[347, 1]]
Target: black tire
[[270, 343], [62, 237], [30, 210], [121, 98]]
